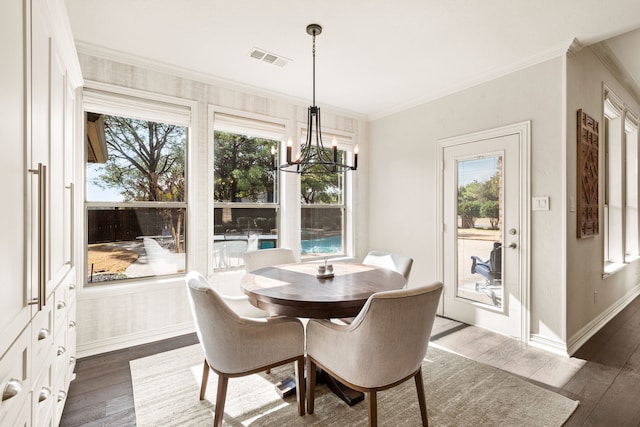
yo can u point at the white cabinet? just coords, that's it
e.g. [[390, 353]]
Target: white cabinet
[[39, 79], [14, 311]]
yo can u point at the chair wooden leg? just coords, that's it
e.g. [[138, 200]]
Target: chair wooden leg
[[311, 385], [299, 364], [373, 409], [205, 378], [221, 396], [421, 399]]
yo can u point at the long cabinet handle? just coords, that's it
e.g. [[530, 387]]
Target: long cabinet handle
[[12, 388], [42, 235], [70, 187]]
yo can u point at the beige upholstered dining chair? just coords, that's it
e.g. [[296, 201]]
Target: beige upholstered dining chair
[[383, 347], [397, 262], [255, 260], [236, 346]]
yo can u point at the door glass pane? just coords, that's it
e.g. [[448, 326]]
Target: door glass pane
[[479, 231]]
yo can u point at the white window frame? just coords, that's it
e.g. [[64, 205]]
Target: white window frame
[[346, 142], [621, 220], [632, 217], [241, 122], [114, 100]]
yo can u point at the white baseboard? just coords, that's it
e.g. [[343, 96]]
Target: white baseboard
[[544, 343], [590, 329], [124, 341]]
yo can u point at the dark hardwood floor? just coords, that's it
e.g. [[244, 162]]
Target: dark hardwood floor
[[604, 375]]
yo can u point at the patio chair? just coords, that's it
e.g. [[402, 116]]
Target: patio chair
[[490, 269], [161, 260]]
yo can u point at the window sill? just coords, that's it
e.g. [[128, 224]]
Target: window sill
[[612, 268], [631, 259]]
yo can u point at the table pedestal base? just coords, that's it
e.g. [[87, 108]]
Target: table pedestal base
[[287, 387], [348, 395]]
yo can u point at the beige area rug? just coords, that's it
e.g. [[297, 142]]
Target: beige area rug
[[459, 391]]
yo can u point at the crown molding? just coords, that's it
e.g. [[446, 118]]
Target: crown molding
[[574, 47], [610, 61]]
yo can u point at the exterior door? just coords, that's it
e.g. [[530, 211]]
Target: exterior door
[[484, 195]]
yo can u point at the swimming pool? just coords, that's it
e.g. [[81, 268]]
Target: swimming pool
[[325, 245]]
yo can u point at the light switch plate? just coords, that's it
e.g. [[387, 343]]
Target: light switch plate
[[540, 203]]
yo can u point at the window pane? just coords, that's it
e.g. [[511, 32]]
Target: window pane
[[631, 217], [132, 162], [243, 168], [322, 231], [125, 243], [238, 230], [321, 187], [243, 175], [136, 160]]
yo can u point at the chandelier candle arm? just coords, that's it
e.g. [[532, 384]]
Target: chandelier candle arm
[[273, 157], [355, 158]]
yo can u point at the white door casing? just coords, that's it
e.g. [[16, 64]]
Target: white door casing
[[510, 144]]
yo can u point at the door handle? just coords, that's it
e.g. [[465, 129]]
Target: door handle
[[513, 246]]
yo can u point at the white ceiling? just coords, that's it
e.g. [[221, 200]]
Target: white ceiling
[[374, 57]]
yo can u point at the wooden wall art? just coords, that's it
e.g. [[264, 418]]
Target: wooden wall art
[[587, 176]]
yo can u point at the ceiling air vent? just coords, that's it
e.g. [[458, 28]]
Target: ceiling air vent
[[271, 58]]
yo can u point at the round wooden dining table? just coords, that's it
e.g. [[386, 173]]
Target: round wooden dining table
[[295, 290]]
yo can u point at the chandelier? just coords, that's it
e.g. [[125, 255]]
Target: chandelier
[[313, 157]]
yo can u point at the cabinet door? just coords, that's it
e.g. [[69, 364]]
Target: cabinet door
[[14, 312], [59, 230], [38, 155]]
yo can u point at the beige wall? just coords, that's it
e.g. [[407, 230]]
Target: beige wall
[[402, 201], [122, 315], [585, 310]]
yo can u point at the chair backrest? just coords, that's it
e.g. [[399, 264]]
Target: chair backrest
[[389, 337], [216, 325], [255, 260], [397, 262], [236, 345]]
